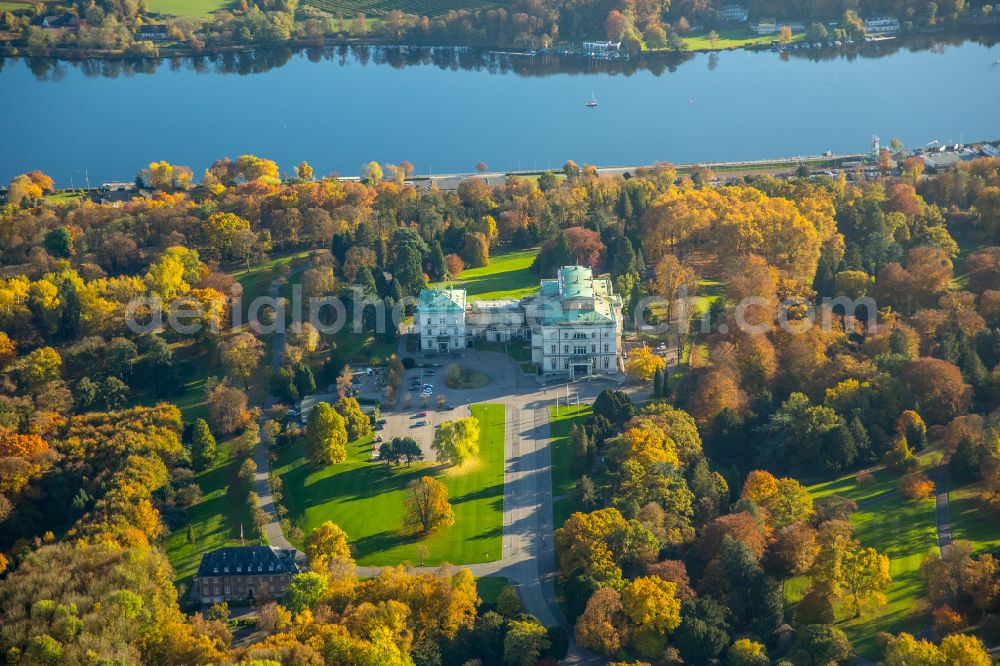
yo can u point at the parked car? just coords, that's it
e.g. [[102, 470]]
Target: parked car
[[379, 426], [420, 423], [421, 414]]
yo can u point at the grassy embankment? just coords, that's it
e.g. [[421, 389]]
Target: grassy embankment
[[508, 275], [732, 38], [366, 500], [895, 526]]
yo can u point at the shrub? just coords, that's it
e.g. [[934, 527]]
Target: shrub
[[947, 621], [916, 486]]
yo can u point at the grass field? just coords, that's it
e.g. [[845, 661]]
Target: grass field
[[903, 530], [731, 38], [969, 522], [367, 501], [188, 7], [490, 587], [561, 420], [258, 279], [894, 526], [215, 520], [507, 276]]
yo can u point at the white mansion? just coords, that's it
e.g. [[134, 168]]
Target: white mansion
[[573, 323]]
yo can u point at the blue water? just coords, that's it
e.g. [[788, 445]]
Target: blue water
[[339, 113]]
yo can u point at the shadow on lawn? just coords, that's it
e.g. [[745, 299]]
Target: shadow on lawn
[[495, 491], [381, 542]]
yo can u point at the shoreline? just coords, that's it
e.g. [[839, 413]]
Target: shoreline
[[727, 169], [64, 54]]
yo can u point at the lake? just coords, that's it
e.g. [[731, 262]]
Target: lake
[[340, 108]]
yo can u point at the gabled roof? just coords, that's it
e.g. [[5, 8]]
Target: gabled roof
[[247, 560], [448, 299]]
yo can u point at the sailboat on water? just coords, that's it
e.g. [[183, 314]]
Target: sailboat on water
[[592, 104]]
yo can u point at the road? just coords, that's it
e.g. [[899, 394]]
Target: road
[[262, 454]]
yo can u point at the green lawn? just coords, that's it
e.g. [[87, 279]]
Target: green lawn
[[846, 486], [969, 522], [215, 520], [894, 526], [188, 7], [258, 279], [490, 587], [507, 276], [561, 420], [903, 530], [367, 501], [730, 38]]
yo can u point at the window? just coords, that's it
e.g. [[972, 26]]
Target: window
[[553, 351], [605, 361], [427, 321], [565, 349], [593, 348], [579, 336], [579, 351], [552, 363], [440, 320], [606, 346], [593, 335]]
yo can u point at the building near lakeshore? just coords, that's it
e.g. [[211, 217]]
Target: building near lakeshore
[[881, 25], [734, 14], [573, 325], [244, 574]]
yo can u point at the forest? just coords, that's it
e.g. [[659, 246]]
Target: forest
[[115, 27], [696, 529]]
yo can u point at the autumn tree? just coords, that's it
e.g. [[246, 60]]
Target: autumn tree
[[938, 387], [651, 606], [614, 25], [865, 576], [326, 436], [241, 354], [644, 363], [602, 627], [524, 643], [325, 543], [746, 652], [227, 408], [456, 442], [427, 506], [955, 650], [305, 590], [785, 500], [673, 280], [357, 423]]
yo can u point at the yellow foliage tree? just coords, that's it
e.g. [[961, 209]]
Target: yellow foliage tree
[[643, 363]]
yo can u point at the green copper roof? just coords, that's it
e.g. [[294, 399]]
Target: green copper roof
[[442, 300], [575, 296]]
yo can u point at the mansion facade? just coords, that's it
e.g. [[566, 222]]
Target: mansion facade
[[573, 325]]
